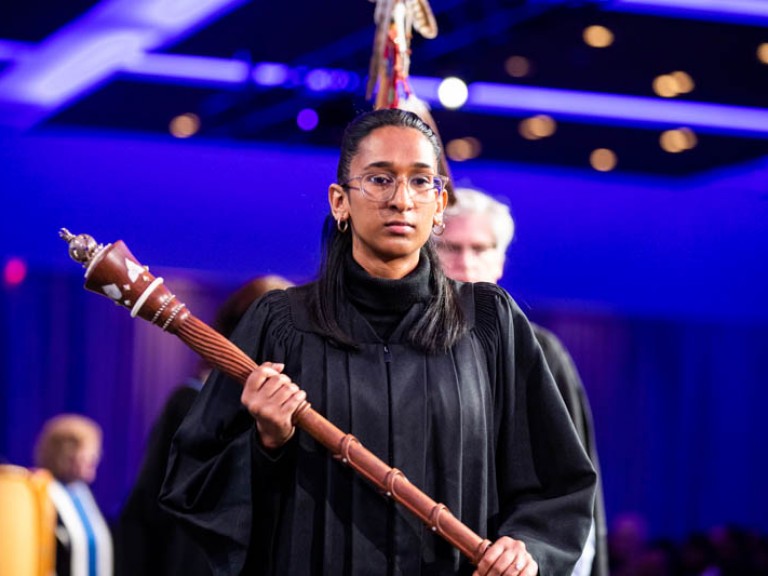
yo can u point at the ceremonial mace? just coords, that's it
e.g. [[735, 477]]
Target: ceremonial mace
[[113, 271]]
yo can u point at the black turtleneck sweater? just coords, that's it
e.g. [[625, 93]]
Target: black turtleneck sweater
[[384, 302]]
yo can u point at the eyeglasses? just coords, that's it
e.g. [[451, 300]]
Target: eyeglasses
[[382, 187]]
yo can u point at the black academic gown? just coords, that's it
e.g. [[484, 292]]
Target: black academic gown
[[577, 403], [480, 428]]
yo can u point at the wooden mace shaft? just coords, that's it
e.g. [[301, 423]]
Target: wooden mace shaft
[[220, 352], [113, 271]]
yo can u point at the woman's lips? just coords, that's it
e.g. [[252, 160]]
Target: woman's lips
[[399, 227]]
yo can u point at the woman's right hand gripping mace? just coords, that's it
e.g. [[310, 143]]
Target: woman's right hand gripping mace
[[113, 271]]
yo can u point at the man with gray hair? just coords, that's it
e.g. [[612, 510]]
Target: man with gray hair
[[472, 248]]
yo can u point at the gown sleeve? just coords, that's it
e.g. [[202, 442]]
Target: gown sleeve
[[544, 478], [219, 483]]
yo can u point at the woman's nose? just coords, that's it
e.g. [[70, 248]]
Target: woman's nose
[[402, 196]]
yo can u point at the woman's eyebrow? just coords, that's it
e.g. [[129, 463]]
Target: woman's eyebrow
[[387, 164]]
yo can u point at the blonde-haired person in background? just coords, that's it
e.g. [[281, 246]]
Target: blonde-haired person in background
[[472, 248], [69, 446]]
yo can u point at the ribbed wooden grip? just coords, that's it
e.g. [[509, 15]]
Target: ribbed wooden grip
[[216, 349], [115, 272]]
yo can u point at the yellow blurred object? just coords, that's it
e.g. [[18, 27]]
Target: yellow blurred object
[[27, 523]]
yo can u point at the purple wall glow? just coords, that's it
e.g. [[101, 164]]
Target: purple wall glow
[[660, 247], [656, 286]]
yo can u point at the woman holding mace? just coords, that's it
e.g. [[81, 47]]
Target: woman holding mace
[[444, 381]]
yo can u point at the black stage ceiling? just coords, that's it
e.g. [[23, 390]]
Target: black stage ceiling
[[717, 50]]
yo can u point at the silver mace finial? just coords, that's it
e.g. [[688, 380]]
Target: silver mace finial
[[82, 248]]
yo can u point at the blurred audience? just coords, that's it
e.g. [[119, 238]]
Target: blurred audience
[[69, 446], [725, 550], [627, 539]]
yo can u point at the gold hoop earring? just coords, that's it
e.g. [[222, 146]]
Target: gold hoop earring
[[438, 228], [342, 225]]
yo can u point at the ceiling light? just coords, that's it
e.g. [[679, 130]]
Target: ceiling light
[[672, 141], [665, 86], [196, 70], [674, 84], [684, 82], [452, 92], [517, 66], [524, 128], [762, 52], [307, 119], [613, 109], [598, 36], [185, 125], [542, 126], [537, 127], [461, 149], [475, 146], [170, 15], [270, 74], [10, 50], [79, 62], [603, 159], [678, 140], [744, 11], [110, 36]]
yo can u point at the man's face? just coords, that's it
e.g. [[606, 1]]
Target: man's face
[[467, 249]]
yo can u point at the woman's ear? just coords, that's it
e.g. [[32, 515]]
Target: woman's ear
[[442, 202], [337, 200]]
